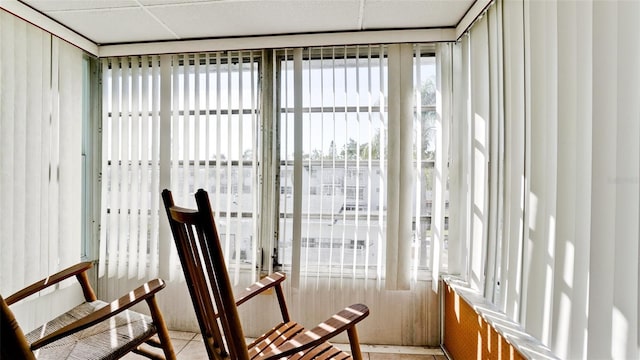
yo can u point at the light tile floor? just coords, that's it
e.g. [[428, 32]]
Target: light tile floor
[[189, 346]]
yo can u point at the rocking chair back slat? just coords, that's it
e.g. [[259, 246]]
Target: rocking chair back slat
[[200, 253]]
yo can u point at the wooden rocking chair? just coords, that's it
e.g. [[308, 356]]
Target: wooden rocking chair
[[91, 330], [200, 252]]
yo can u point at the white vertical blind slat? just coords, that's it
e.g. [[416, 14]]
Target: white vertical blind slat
[[369, 185], [539, 249], [406, 183], [18, 161], [45, 169], [186, 127], [496, 158], [218, 131], [393, 167], [417, 94], [37, 84], [309, 124], [159, 178], [582, 206], [465, 163], [240, 176], [625, 274], [345, 166], [383, 168], [24, 118], [603, 194], [174, 155], [514, 166], [54, 151], [568, 184], [400, 166], [136, 163], [254, 192], [197, 134], [333, 159], [357, 169], [5, 180], [113, 168], [104, 194], [321, 171], [125, 166], [228, 122], [70, 164], [146, 157], [437, 226], [478, 151], [207, 118]]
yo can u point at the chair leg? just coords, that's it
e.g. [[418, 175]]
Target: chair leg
[[354, 343], [163, 333], [283, 304]]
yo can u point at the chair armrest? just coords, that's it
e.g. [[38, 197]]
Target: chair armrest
[[264, 284], [74, 270], [141, 293], [343, 320]]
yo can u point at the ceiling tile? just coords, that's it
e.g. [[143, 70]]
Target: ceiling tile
[[382, 14], [114, 25], [245, 18]]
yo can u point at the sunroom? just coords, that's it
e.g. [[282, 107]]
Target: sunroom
[[469, 170]]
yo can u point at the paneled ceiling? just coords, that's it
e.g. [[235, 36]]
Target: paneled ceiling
[[106, 22]]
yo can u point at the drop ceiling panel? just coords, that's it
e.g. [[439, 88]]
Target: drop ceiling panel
[[384, 14], [246, 18], [119, 25]]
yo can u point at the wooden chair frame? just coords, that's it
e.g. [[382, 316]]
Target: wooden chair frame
[[200, 253], [14, 344]]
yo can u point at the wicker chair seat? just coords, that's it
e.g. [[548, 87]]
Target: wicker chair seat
[[107, 340]]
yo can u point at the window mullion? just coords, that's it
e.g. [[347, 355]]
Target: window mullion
[[166, 99], [269, 165], [297, 168]]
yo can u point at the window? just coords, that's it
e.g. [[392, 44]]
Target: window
[[185, 122], [344, 133], [90, 158], [353, 193], [211, 105]]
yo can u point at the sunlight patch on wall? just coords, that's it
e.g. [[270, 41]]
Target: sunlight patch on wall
[[619, 334]]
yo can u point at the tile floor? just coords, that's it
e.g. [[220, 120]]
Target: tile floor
[[188, 346]]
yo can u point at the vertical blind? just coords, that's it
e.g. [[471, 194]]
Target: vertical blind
[[337, 100], [41, 152], [41, 92], [207, 139], [550, 94], [131, 167]]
